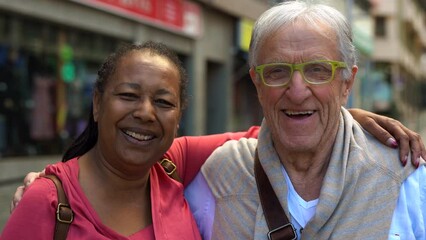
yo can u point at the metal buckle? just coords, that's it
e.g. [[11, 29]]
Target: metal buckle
[[169, 172], [58, 214], [282, 227]]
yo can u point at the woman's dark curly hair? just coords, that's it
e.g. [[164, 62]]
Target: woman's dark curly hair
[[88, 138]]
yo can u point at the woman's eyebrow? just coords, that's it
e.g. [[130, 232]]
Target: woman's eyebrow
[[129, 84]]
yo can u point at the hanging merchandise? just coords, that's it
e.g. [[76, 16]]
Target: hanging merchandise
[[66, 53], [41, 126], [68, 72], [61, 108], [67, 68]]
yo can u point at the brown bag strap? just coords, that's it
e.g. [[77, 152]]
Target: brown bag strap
[[279, 226], [170, 169], [64, 214]]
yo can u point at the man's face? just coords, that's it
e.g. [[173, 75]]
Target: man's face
[[302, 117]]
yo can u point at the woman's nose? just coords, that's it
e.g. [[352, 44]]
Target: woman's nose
[[144, 110]]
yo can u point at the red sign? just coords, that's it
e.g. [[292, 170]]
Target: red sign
[[168, 13]]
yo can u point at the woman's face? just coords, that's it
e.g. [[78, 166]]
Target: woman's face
[[138, 113]]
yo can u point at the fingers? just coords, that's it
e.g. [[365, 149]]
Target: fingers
[[404, 148], [407, 140], [16, 198], [386, 138], [42, 173], [417, 148], [393, 134], [376, 125], [29, 179], [380, 133]]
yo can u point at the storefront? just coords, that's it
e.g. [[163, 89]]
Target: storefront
[[49, 55], [46, 74]]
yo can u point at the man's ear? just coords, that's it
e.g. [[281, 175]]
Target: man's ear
[[96, 102], [348, 84], [257, 83], [253, 76]]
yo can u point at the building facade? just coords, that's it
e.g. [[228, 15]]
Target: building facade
[[400, 58]]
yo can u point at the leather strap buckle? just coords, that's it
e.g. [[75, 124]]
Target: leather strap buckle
[[284, 230], [168, 166], [64, 213]]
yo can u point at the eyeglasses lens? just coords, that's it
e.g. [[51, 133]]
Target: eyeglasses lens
[[279, 74], [318, 72]]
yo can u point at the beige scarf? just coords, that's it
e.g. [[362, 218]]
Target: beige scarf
[[360, 189]]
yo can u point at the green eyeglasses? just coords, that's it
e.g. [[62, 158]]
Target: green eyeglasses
[[315, 72]]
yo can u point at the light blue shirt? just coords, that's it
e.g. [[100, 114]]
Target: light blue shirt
[[408, 221]]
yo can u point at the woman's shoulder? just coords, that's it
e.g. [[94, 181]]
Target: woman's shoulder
[[63, 168], [42, 190], [36, 211]]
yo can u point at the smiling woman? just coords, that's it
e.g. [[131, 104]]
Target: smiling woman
[[138, 112]]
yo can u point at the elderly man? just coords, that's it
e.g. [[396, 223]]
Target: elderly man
[[333, 180]]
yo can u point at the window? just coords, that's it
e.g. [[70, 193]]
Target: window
[[380, 27]]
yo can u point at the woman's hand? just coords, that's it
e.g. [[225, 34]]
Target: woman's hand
[[393, 134], [28, 180]]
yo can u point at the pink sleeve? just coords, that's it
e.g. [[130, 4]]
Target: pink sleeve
[[34, 217], [189, 153]]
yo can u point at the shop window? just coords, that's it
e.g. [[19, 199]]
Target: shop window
[[31, 30], [86, 41], [51, 35], [4, 26], [380, 27]]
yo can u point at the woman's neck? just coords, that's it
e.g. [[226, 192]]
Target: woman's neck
[[123, 205]]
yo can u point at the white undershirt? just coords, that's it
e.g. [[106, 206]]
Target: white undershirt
[[300, 210]]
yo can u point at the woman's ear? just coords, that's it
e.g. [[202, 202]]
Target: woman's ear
[[96, 102]]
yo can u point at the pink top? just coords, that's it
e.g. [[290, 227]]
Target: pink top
[[34, 217]]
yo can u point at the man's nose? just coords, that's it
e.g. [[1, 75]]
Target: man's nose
[[297, 89]]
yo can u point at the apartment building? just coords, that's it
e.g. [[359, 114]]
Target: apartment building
[[400, 57]]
